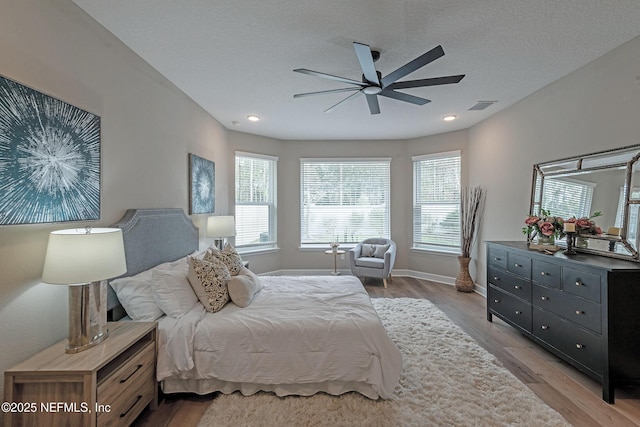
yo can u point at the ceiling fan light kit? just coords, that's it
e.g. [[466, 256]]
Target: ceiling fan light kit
[[373, 84]]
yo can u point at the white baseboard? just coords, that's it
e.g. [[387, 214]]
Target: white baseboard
[[446, 280]]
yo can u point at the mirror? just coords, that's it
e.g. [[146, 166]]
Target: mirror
[[607, 183]]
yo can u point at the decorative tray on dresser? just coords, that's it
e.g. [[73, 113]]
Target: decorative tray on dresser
[[107, 385], [583, 308]]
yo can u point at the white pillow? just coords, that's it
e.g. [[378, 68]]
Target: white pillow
[[136, 297], [243, 287], [380, 250], [171, 289]]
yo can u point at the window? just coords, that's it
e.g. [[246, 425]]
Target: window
[[569, 197], [255, 201], [436, 202], [344, 200]]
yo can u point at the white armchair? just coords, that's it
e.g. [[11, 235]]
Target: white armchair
[[373, 257]]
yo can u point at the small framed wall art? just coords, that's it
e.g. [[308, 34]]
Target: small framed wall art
[[202, 185], [49, 158]]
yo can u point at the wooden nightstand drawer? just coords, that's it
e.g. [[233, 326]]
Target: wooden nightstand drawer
[[119, 382], [135, 396], [578, 310], [498, 258]]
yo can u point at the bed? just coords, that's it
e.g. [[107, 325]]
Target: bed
[[299, 335]]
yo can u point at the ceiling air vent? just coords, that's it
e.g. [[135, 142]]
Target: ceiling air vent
[[481, 105]]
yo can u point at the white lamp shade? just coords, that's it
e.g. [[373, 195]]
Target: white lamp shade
[[79, 256], [221, 226]]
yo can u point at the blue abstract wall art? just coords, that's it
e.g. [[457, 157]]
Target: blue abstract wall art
[[202, 185], [49, 158]]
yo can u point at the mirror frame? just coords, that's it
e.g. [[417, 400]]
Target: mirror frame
[[574, 166]]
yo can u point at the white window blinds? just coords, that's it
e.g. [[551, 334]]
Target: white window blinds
[[436, 201], [255, 200], [569, 197], [344, 200]]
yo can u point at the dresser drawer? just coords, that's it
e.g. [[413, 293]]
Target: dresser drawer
[[509, 283], [579, 344], [578, 310], [586, 285], [519, 265], [547, 273], [497, 258], [118, 382], [510, 307]]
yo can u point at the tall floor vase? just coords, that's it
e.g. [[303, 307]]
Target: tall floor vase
[[464, 282]]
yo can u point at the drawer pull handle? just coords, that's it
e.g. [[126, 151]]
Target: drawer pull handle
[[578, 345], [516, 286], [517, 265], [542, 273], [578, 283], [518, 312], [495, 258], [544, 327], [124, 414], [544, 298], [579, 312], [496, 301], [496, 278], [131, 374]]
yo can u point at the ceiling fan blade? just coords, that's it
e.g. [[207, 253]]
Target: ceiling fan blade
[[329, 76], [348, 98], [363, 52], [412, 66], [374, 107], [322, 92], [426, 82], [404, 97]]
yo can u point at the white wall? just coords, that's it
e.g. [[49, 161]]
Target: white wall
[[148, 129], [592, 109]]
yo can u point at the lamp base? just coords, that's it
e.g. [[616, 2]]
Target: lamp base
[[87, 316]]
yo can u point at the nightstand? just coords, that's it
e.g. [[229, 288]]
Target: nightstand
[[109, 384]]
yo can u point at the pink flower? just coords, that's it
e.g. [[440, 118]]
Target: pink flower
[[547, 228], [531, 220], [570, 220], [583, 223], [598, 230]]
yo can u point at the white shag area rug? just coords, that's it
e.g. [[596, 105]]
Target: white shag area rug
[[447, 380]]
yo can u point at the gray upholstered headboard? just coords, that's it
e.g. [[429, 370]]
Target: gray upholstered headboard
[[151, 237]]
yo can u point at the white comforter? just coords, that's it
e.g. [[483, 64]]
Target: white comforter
[[298, 330]]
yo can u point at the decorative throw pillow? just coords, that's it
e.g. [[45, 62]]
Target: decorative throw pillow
[[171, 289], [243, 287], [136, 297], [368, 249], [228, 256], [209, 281], [380, 250]]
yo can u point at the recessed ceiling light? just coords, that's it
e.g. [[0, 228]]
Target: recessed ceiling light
[[449, 117], [253, 118]]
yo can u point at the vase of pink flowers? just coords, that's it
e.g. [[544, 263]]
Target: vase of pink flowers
[[545, 227]]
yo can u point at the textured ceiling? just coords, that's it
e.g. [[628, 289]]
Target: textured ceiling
[[235, 57]]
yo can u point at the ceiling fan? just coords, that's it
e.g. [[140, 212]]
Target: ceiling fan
[[373, 84]]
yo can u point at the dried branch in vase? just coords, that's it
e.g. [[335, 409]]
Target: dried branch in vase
[[471, 207]]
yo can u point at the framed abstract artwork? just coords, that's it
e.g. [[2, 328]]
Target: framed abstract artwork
[[202, 185], [49, 158]]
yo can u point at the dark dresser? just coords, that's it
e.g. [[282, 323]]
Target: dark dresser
[[583, 308]]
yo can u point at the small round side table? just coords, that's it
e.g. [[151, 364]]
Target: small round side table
[[335, 259]]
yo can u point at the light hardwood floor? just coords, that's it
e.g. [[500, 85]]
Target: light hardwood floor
[[574, 395]]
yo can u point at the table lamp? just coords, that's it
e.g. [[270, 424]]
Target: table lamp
[[83, 259], [219, 227]]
